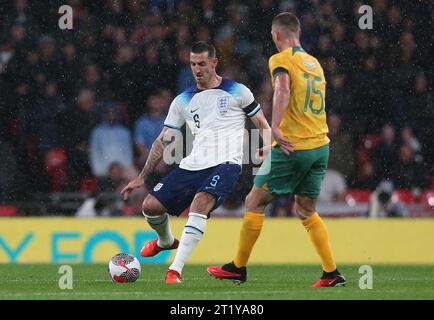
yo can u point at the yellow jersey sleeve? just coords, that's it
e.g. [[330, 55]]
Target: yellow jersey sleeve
[[278, 63]]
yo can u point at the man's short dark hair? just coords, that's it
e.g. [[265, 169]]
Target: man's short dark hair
[[202, 46], [287, 20]]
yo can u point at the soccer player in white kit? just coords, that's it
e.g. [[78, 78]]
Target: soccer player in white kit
[[215, 111]]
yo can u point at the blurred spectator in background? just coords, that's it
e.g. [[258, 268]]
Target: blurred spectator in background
[[49, 63], [69, 71], [382, 203], [132, 49], [110, 142], [337, 97], [116, 180], [20, 39], [341, 148], [409, 171], [147, 129], [333, 188], [279, 207], [104, 204], [365, 178], [79, 123], [148, 73], [6, 55], [230, 39], [311, 31], [386, 154], [92, 80], [185, 77], [421, 114], [408, 138], [8, 171], [122, 75], [49, 114]]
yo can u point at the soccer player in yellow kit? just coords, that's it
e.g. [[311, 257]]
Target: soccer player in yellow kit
[[298, 157]]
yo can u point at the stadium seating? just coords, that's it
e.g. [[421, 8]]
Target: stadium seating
[[427, 198], [129, 211], [404, 196], [367, 145], [8, 210], [357, 196], [89, 185], [56, 168]]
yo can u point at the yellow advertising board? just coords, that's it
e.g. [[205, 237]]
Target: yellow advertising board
[[283, 240]]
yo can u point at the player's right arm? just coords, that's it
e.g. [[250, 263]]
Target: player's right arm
[[280, 80], [154, 158], [281, 98], [174, 121]]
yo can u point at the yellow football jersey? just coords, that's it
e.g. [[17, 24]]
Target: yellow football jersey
[[304, 122]]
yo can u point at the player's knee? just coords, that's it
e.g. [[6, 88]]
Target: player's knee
[[253, 204], [250, 202], [301, 212], [203, 202], [152, 207]]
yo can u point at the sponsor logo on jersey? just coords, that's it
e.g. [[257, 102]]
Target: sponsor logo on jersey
[[158, 187], [223, 104], [309, 64]]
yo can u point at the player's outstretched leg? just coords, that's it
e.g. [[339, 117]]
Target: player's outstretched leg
[[191, 235], [158, 219], [315, 226], [256, 201]]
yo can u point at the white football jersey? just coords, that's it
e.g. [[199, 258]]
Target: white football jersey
[[216, 118]]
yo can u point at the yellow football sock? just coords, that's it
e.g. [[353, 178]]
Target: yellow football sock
[[319, 236], [252, 225]]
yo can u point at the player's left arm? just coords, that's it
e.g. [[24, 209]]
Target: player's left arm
[[252, 109], [261, 123]]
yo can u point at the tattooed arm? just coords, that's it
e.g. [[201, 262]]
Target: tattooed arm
[[154, 158]]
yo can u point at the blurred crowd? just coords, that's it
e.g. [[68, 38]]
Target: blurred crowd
[[80, 108]]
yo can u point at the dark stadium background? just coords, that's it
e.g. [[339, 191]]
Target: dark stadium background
[[124, 59]]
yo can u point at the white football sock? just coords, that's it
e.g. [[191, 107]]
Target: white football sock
[[191, 236], [161, 225]]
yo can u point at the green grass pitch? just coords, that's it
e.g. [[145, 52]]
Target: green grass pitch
[[279, 282]]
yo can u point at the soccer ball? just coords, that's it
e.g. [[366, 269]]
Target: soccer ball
[[124, 267]]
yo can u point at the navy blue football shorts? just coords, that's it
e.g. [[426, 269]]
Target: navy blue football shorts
[[177, 190]]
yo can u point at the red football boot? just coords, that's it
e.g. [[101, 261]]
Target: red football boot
[[173, 276], [151, 248], [229, 271], [332, 279]]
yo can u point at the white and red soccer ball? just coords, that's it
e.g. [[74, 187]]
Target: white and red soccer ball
[[124, 267]]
